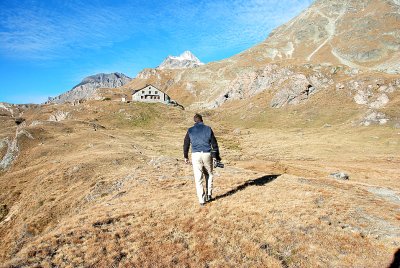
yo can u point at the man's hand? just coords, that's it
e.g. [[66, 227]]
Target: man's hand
[[186, 161]]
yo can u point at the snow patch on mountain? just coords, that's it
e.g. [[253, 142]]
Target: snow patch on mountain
[[183, 61]]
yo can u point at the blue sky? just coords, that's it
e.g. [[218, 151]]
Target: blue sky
[[49, 46]]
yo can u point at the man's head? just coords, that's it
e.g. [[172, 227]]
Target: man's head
[[197, 118]]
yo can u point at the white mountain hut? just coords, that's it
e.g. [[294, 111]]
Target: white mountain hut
[[150, 93]]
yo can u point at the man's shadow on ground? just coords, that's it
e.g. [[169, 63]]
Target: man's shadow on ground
[[256, 182]]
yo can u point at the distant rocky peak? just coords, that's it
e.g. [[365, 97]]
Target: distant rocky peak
[[183, 61], [187, 55], [88, 87], [106, 80]]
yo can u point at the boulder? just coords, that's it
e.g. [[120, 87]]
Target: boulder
[[339, 175]]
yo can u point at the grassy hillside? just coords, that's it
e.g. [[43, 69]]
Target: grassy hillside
[[106, 187]]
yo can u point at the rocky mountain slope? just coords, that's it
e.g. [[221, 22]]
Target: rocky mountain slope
[[183, 61], [349, 48], [362, 34], [87, 88]]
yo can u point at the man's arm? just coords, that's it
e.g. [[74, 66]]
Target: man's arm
[[214, 145], [186, 145]]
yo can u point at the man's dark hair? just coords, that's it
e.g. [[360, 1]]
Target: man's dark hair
[[198, 118]]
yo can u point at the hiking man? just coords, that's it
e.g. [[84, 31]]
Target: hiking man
[[203, 141]]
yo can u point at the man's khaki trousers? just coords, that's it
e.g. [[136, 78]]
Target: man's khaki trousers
[[200, 160]]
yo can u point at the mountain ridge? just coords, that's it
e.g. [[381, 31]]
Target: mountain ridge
[[86, 89], [346, 46]]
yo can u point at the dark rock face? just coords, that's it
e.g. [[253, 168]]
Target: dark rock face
[[89, 85]]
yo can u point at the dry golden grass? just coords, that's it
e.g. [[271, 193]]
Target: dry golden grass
[[108, 188]]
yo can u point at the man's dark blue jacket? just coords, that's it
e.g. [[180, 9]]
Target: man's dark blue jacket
[[202, 139]]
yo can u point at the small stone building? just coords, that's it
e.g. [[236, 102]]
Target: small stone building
[[150, 93]]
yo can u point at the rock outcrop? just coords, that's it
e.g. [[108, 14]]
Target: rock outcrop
[[289, 84], [374, 117], [6, 109], [89, 85], [58, 116], [12, 147], [340, 175]]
